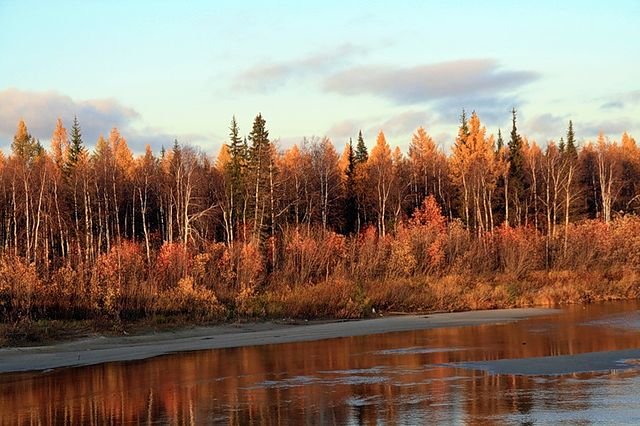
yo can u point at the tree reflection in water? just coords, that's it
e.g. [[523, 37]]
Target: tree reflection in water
[[387, 378]]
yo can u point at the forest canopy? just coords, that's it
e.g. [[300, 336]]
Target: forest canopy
[[107, 232]]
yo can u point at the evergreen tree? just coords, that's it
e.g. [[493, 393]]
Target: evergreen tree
[[361, 154], [261, 166], [259, 138], [463, 131], [500, 142], [76, 146], [516, 156], [351, 199], [561, 146], [502, 182], [236, 144], [516, 168], [237, 150], [572, 150], [236, 174]]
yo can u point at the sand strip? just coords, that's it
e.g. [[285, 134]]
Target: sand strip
[[109, 349]]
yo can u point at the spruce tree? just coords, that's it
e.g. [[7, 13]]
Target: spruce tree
[[516, 156], [561, 146], [236, 145], [235, 168], [351, 199], [259, 138], [361, 154], [259, 165], [572, 150], [463, 132], [516, 169], [500, 142], [76, 146], [237, 149]]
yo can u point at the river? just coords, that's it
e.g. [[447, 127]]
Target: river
[[442, 375]]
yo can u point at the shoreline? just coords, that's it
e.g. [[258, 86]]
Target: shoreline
[[98, 350]]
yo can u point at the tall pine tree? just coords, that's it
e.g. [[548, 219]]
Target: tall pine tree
[[572, 149], [500, 141], [361, 154], [351, 196], [260, 164], [76, 146], [516, 168], [238, 152]]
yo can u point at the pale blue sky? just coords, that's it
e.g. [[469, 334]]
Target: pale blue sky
[[165, 69]]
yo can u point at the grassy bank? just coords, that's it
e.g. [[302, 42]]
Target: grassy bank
[[348, 299]]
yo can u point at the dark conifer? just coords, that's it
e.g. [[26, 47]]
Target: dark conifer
[[361, 154]]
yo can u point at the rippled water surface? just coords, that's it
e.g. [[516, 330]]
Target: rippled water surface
[[419, 377]]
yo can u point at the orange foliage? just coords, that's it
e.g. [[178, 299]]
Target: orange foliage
[[429, 214], [118, 280], [311, 256], [172, 263], [519, 250]]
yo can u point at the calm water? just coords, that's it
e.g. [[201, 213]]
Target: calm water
[[397, 378]]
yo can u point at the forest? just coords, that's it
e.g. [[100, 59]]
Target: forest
[[314, 230]]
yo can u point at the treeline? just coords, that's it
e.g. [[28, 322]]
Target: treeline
[[109, 232]]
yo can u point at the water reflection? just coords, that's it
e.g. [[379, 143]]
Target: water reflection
[[400, 377]]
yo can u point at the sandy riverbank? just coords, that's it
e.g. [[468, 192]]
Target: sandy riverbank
[[100, 349]]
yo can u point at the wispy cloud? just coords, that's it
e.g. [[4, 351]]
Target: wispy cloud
[[547, 126], [345, 129], [429, 82], [271, 75], [399, 125], [492, 109], [611, 128], [403, 123], [96, 116], [621, 100], [41, 109]]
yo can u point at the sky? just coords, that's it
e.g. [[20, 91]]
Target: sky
[[160, 70]]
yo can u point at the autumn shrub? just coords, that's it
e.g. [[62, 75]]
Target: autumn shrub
[[368, 254], [172, 262], [213, 269], [191, 299], [402, 261], [119, 284], [476, 258], [65, 294], [427, 234], [249, 268], [626, 241], [20, 289], [310, 256], [457, 245], [589, 245], [518, 250]]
